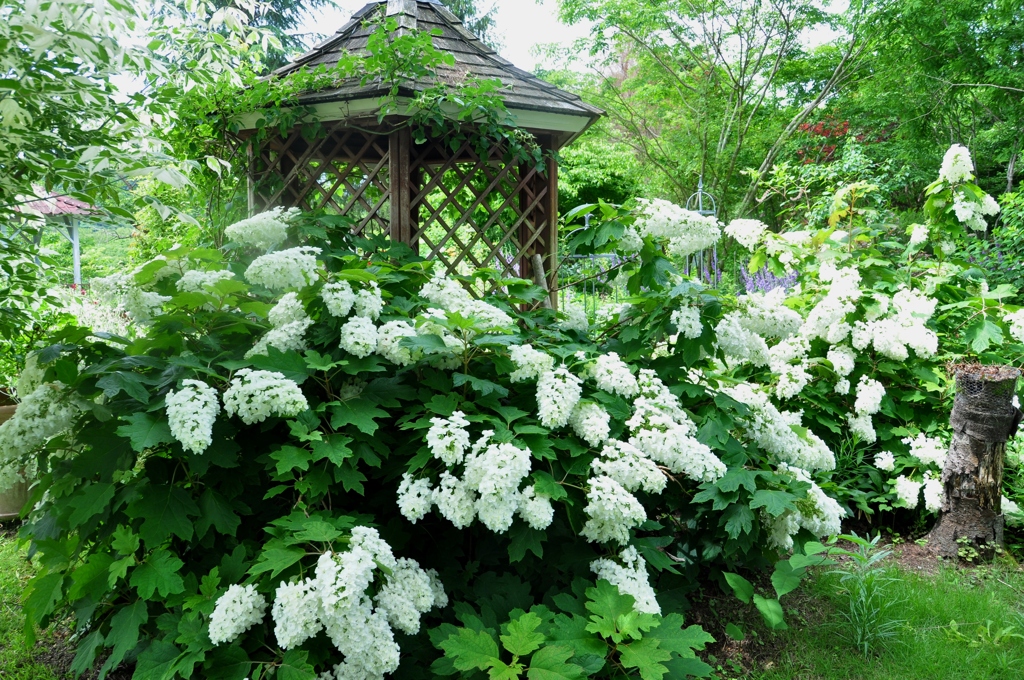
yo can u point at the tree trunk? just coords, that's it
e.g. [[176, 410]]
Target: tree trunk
[[983, 418]]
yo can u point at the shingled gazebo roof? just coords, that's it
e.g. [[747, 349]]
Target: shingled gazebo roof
[[533, 103]]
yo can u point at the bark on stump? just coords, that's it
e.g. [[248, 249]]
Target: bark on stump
[[983, 419]]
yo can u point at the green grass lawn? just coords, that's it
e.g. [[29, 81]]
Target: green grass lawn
[[987, 604], [16, 661]]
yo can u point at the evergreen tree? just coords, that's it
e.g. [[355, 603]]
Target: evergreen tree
[[479, 22]]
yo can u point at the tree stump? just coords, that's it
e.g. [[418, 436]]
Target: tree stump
[[983, 419]]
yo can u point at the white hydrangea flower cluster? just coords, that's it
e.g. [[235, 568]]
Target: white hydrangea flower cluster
[[767, 314], [1016, 323], [686, 231], [739, 344], [535, 509], [612, 375], [868, 402], [41, 415], [918, 234], [611, 512], [191, 413], [904, 327], [1012, 512], [30, 377], [289, 324], [93, 312], [558, 392], [488, 489], [389, 343], [934, 494], [296, 613], [415, 497], [255, 396], [452, 297], [630, 578], [359, 336], [908, 492], [285, 269], [120, 292], [687, 322], [198, 281], [788, 360], [773, 431], [817, 513], [928, 450], [236, 611], [448, 438], [843, 360], [369, 301], [747, 232], [530, 363], [360, 627], [338, 297], [265, 231], [630, 467], [664, 432], [455, 500], [576, 318], [827, 320], [590, 422], [885, 461], [971, 213], [495, 471], [957, 166]]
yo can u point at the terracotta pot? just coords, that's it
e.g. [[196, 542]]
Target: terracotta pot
[[12, 500]]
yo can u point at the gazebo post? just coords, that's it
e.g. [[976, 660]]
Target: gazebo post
[[551, 238], [400, 150]]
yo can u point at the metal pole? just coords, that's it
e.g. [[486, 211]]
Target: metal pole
[[76, 251]]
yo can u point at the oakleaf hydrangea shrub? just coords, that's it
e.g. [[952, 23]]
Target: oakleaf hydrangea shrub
[[859, 340], [326, 459]]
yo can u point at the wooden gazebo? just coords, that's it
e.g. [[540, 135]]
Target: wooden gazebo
[[463, 208]]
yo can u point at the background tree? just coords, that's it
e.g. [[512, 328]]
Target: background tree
[[710, 87], [478, 21]]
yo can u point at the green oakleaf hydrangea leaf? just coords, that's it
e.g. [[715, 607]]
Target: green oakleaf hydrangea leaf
[[674, 638], [572, 631], [276, 557], [646, 656], [146, 431], [613, 614], [91, 577], [359, 412], [124, 633], [550, 664], [471, 650], [522, 637], [165, 510], [159, 573], [775, 502]]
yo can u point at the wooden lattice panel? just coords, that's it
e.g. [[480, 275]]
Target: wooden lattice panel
[[340, 170], [474, 211], [465, 209]]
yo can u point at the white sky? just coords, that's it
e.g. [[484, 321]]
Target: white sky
[[522, 25]]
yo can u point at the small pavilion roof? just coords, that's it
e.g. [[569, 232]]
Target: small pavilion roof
[[524, 92], [59, 204]]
